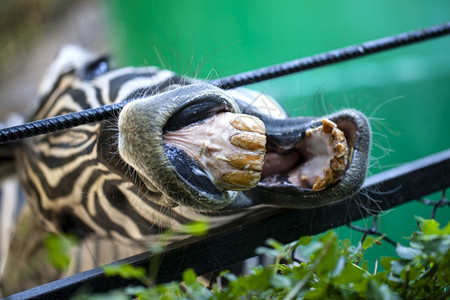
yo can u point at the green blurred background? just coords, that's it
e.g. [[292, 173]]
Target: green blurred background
[[405, 92]]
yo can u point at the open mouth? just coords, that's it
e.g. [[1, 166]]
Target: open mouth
[[316, 161], [193, 147], [229, 150]]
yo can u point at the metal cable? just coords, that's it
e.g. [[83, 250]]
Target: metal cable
[[61, 122], [70, 120], [332, 57]]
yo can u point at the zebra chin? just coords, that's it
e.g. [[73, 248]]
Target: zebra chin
[[191, 146]]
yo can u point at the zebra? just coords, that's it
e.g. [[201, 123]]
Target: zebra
[[182, 150]]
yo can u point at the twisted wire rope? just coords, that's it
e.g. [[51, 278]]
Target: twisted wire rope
[[105, 112]]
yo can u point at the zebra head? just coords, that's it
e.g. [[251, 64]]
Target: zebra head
[[181, 145]]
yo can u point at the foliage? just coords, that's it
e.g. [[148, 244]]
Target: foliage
[[58, 248], [328, 269]]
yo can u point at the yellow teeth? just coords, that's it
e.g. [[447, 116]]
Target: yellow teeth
[[246, 161], [249, 141], [241, 180], [319, 184], [304, 177], [328, 126], [249, 162], [340, 149], [248, 123], [328, 152], [229, 147], [338, 158]]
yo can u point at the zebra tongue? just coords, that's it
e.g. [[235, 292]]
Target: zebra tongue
[[229, 148]]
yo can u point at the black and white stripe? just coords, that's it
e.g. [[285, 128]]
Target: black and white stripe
[[76, 182], [66, 176]]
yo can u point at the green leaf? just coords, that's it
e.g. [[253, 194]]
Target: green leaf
[[386, 262], [229, 276], [275, 244], [135, 290], [284, 269], [365, 265], [157, 248], [346, 244], [335, 271], [189, 276], [307, 250], [267, 251], [446, 229], [304, 240], [397, 267], [430, 226], [330, 259], [341, 263], [58, 247], [259, 280], [351, 273], [382, 291], [197, 228], [368, 242], [280, 282], [125, 271], [406, 252]]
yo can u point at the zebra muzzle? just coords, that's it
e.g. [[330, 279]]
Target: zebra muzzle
[[195, 146], [179, 144]]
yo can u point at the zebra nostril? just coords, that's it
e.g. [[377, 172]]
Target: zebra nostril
[[194, 113], [69, 223], [66, 222]]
